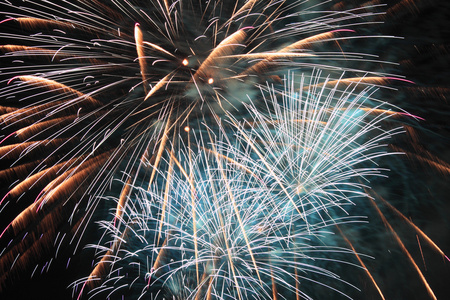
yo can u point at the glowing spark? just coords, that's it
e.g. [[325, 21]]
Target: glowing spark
[[139, 40]]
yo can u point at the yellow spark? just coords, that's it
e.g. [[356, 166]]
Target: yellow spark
[[166, 193], [139, 39], [225, 48], [157, 86], [55, 86], [31, 22], [160, 49], [161, 252], [123, 199], [274, 286], [44, 175], [162, 145]]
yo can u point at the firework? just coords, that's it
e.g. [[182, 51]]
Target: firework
[[224, 151], [239, 217]]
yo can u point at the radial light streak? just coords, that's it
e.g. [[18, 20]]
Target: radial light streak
[[198, 149]]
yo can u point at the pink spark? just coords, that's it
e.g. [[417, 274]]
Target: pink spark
[[6, 20], [343, 30], [400, 79], [5, 139]]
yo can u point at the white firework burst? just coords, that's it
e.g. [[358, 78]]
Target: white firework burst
[[247, 213]]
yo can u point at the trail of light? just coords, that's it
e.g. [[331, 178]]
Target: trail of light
[[138, 37], [58, 187], [47, 222], [224, 48], [285, 52], [265, 55], [421, 252], [194, 213], [361, 262], [357, 80], [401, 6], [222, 224], [270, 169], [433, 161], [21, 115], [274, 286], [36, 51], [238, 216], [9, 135], [54, 86], [273, 122], [296, 278], [159, 48], [157, 264], [321, 37], [40, 127], [157, 86], [162, 145], [96, 275], [402, 246], [193, 204], [33, 22], [166, 194], [247, 6], [203, 281], [19, 150], [234, 162], [122, 200], [211, 280], [417, 229], [17, 48], [45, 174]]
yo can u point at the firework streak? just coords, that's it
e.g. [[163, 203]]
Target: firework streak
[[203, 150]]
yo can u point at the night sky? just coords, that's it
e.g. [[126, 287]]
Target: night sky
[[424, 59]]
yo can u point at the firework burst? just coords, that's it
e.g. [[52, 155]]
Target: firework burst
[[221, 149], [248, 217]]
